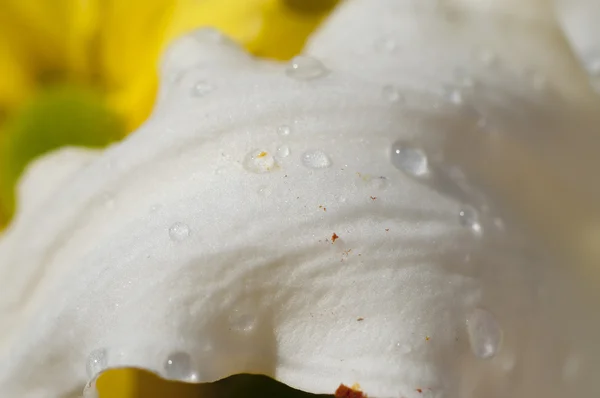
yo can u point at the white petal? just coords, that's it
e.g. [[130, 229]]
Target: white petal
[[213, 255]]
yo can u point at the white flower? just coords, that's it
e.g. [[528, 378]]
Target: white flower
[[322, 222]]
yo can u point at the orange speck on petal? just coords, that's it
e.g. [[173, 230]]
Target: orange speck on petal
[[427, 338], [262, 154], [349, 392], [334, 237]]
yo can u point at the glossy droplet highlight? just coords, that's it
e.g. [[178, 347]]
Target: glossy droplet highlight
[[391, 93], [469, 218], [97, 362], [201, 88], [179, 366], [305, 68], [485, 335], [284, 130], [179, 232], [259, 161], [283, 151], [316, 159], [409, 159]]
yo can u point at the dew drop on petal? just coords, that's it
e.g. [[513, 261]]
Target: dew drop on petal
[[201, 88], [284, 130], [178, 366], [179, 232], [283, 151], [453, 95], [409, 159], [469, 218], [316, 159], [305, 68], [485, 335], [391, 93], [96, 362], [259, 161]]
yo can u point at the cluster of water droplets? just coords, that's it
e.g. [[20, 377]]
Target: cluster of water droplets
[[178, 232]]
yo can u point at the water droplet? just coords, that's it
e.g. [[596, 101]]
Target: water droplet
[[316, 159], [453, 95], [385, 45], [242, 321], [179, 232], [259, 161], [97, 362], [264, 191], [469, 217], [201, 89], [305, 68], [485, 335], [391, 93], [409, 159], [403, 348], [284, 130], [283, 151], [178, 366]]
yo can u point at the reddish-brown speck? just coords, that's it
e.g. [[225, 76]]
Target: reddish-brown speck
[[387, 230], [373, 197], [347, 392], [323, 207], [334, 237], [360, 319], [420, 391]]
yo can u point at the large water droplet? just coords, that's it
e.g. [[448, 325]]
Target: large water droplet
[[391, 93], [201, 88], [179, 366], [284, 130], [409, 159], [259, 161], [305, 68], [179, 232], [485, 335], [96, 362], [316, 159], [469, 217], [241, 321], [283, 151]]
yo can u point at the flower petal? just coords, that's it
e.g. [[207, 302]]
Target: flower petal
[[297, 221]]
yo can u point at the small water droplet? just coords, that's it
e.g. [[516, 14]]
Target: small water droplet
[[264, 190], [201, 88], [316, 159], [283, 151], [97, 362], [485, 335], [259, 161], [409, 159], [391, 93], [453, 95], [469, 217], [403, 348], [241, 321], [284, 130], [305, 68], [385, 45], [179, 232], [178, 366]]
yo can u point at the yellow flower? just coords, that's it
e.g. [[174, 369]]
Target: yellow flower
[[84, 72]]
